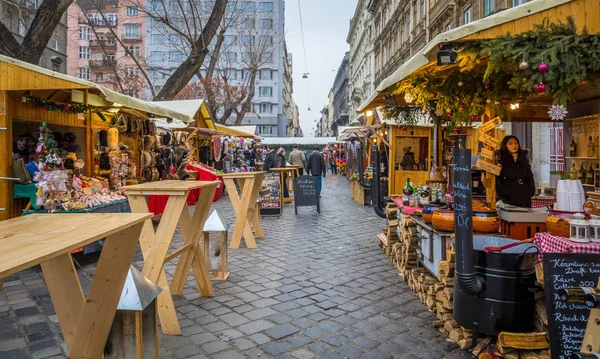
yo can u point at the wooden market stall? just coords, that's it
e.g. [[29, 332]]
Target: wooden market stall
[[493, 81], [31, 95]]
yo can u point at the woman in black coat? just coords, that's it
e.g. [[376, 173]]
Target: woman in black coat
[[515, 185]]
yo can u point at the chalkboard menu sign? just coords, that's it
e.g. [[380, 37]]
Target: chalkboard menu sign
[[305, 192], [567, 321], [270, 194]]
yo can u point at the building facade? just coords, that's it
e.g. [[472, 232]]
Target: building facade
[[361, 66], [254, 29], [106, 45], [17, 16], [340, 97]]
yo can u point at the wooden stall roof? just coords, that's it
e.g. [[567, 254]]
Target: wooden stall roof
[[16, 75], [238, 131], [195, 109], [514, 20]]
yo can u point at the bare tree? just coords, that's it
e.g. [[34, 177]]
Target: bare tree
[[45, 20]]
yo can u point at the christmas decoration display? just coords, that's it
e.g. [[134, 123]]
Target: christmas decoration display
[[540, 88], [543, 67], [557, 112], [47, 149], [408, 98], [53, 106]]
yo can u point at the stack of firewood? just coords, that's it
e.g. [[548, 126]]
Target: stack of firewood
[[389, 235], [406, 250]]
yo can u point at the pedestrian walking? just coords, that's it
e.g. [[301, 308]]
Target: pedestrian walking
[[298, 158], [316, 167], [332, 162], [269, 159], [280, 158]]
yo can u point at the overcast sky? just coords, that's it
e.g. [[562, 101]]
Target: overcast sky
[[326, 24]]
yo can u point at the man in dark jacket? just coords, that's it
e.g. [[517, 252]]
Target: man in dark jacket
[[269, 160], [316, 167]]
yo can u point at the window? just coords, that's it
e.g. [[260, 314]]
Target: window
[[22, 28], [157, 39], [110, 56], [266, 108], [157, 56], [408, 24], [248, 40], [32, 4], [467, 16], [229, 40], [246, 57], [100, 77], [266, 23], [265, 91], [265, 130], [230, 74], [132, 31], [175, 56], [266, 40], [112, 19], [447, 28], [488, 7], [132, 10], [266, 74], [135, 51], [84, 33], [267, 57], [247, 23], [157, 88], [422, 8], [84, 53], [518, 2], [174, 39], [83, 73], [230, 56], [265, 6], [157, 5], [249, 6]]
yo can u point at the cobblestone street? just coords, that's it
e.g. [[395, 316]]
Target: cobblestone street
[[317, 286]]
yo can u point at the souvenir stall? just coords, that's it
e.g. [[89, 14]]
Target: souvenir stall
[[473, 82], [336, 155], [46, 112]]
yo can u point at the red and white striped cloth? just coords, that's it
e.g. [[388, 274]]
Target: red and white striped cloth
[[550, 243], [535, 203]]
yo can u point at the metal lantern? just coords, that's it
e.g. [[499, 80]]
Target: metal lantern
[[594, 230], [579, 231], [134, 332], [215, 251]]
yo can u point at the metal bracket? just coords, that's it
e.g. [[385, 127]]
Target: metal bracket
[[10, 178]]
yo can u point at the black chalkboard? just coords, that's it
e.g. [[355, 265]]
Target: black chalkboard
[[567, 321], [270, 195], [305, 192]]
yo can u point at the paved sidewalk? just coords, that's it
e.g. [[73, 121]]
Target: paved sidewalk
[[318, 286]]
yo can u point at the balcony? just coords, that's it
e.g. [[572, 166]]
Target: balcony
[[103, 43], [133, 38], [98, 22], [98, 64]]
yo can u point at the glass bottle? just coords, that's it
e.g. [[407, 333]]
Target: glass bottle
[[581, 173], [573, 173], [418, 195], [573, 148], [590, 147], [407, 191], [590, 175]]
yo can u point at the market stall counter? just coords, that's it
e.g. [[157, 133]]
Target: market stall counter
[[155, 245], [550, 243], [48, 240]]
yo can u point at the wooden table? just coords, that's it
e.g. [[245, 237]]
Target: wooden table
[[244, 205], [155, 245], [290, 171], [48, 239]]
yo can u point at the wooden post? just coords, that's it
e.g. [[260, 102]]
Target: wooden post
[[89, 163], [6, 200]]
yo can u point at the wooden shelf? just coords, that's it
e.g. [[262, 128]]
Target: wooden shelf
[[581, 158]]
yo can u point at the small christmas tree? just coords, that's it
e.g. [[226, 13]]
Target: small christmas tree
[[47, 149]]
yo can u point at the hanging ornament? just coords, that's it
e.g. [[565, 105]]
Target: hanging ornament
[[505, 101], [557, 112], [423, 111], [431, 113], [448, 110], [433, 95], [473, 117], [457, 97], [496, 103], [408, 98], [456, 129], [543, 67], [462, 105], [488, 101], [540, 88], [439, 112], [488, 86], [524, 65], [460, 84], [431, 122], [449, 114]]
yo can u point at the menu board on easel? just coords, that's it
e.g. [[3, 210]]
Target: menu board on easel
[[567, 321], [270, 195]]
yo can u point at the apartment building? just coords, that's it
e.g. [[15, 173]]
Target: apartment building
[[17, 16], [339, 97], [361, 66], [106, 45]]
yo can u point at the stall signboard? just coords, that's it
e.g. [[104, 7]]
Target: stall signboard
[[488, 167], [486, 153], [270, 195], [490, 125], [305, 192], [567, 321], [488, 140]]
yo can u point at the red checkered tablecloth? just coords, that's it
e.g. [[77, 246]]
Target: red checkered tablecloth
[[405, 209], [550, 243], [535, 203]]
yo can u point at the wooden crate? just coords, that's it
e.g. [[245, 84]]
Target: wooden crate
[[360, 195], [521, 231]]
